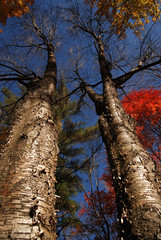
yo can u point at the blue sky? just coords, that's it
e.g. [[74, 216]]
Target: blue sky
[[69, 47]]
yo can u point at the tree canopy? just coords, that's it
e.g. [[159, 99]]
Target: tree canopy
[[145, 107], [11, 8], [123, 15]]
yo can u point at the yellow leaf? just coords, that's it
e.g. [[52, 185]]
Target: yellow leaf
[[123, 14]]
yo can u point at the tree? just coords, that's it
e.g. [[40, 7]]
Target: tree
[[127, 14], [135, 175], [13, 8], [143, 105], [136, 178], [24, 75], [29, 157], [72, 136]]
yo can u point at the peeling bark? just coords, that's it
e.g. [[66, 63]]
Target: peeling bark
[[28, 164], [135, 175]]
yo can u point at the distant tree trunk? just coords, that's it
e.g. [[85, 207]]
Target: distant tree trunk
[[135, 175], [28, 164]]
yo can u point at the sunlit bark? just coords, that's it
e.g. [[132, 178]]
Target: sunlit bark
[[135, 175], [28, 164]]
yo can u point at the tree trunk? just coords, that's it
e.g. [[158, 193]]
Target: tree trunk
[[135, 175], [136, 178], [28, 164]]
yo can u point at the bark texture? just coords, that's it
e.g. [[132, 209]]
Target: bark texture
[[136, 178], [28, 164], [135, 175]]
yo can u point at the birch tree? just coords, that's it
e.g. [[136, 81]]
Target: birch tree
[[29, 157], [135, 175]]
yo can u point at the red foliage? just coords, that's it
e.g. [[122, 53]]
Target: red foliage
[[145, 107], [99, 199], [98, 212]]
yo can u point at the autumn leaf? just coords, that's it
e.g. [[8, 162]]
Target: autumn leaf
[[145, 107], [11, 8], [123, 15]]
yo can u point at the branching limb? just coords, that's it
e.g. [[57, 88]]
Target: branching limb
[[96, 98], [125, 77]]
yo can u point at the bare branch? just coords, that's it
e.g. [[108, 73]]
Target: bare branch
[[85, 162], [125, 77]]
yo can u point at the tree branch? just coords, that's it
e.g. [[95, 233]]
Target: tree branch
[[125, 77], [96, 98]]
